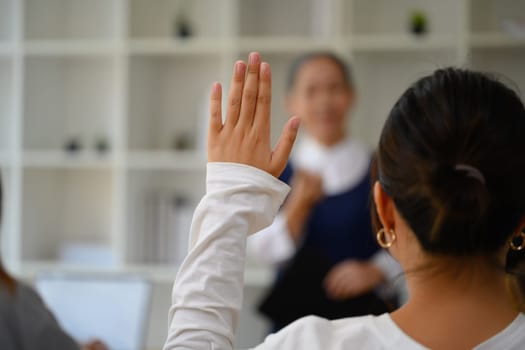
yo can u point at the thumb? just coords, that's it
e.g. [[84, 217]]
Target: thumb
[[284, 146]]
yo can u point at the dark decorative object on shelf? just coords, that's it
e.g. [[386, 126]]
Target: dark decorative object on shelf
[[102, 145], [183, 28], [418, 23], [73, 145], [182, 142]]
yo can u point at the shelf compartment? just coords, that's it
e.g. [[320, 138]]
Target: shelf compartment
[[380, 80], [492, 16], [67, 216], [504, 63], [203, 19], [168, 101], [71, 19], [159, 211], [381, 17], [271, 18], [66, 99]]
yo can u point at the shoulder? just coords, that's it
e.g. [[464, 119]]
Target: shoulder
[[511, 338], [314, 332], [37, 322]]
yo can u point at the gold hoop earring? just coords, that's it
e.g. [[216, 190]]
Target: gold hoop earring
[[512, 241], [382, 239]]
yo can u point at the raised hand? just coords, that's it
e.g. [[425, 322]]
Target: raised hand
[[245, 135]]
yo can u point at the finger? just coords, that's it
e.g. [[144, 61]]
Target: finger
[[261, 120], [235, 95], [215, 109], [249, 92], [284, 146]]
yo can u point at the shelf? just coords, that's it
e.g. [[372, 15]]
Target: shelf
[[284, 44], [368, 17], [69, 48], [159, 209], [61, 159], [68, 98], [168, 101], [253, 277], [65, 212], [70, 19], [167, 160], [178, 47], [401, 42], [204, 18], [495, 40]]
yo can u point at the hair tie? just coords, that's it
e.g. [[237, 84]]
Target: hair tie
[[471, 171]]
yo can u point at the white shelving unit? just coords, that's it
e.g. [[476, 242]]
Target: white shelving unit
[[121, 71], [115, 69]]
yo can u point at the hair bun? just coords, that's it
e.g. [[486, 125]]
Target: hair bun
[[461, 200]]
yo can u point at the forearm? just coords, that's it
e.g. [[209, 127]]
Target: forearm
[[208, 290], [296, 217]]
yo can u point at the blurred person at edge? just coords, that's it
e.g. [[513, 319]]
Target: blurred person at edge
[[328, 261]]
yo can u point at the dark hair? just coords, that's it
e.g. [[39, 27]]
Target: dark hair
[[298, 63], [456, 117]]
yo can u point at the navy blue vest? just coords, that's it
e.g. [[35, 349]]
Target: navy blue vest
[[339, 227]]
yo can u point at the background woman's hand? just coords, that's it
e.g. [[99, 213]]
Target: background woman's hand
[[307, 191], [352, 278], [245, 135]]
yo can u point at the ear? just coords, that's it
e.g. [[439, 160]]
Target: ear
[[385, 207]]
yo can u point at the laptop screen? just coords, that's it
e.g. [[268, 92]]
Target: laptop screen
[[111, 309]]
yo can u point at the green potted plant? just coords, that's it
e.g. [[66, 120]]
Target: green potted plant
[[418, 23]]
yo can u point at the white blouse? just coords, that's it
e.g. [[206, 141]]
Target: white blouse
[[208, 290]]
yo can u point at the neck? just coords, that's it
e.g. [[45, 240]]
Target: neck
[[447, 299], [332, 141]]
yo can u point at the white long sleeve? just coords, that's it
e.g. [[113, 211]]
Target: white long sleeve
[[208, 290], [272, 245]]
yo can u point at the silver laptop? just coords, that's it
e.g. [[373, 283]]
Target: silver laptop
[[112, 309]]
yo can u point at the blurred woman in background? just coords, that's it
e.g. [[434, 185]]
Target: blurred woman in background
[[322, 241]]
